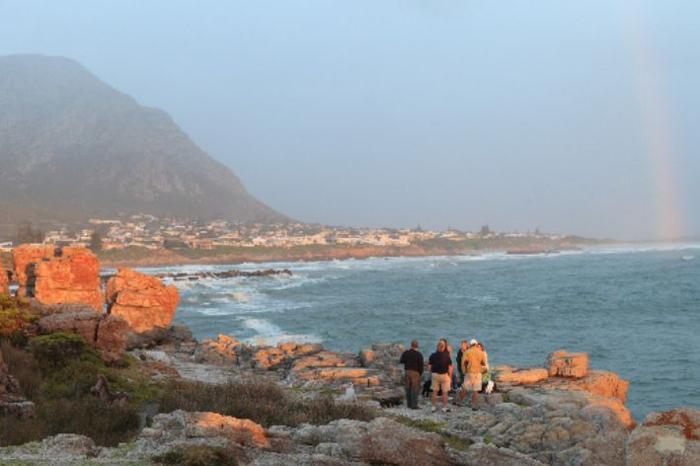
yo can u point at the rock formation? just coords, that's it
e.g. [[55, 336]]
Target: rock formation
[[669, 438], [223, 350], [563, 364], [143, 301], [4, 281], [58, 275], [104, 332]]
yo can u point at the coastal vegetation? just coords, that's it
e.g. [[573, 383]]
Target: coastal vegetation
[[259, 400]]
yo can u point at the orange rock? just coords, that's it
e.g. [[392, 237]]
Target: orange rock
[[59, 275], [241, 431], [603, 383], [143, 301], [508, 375], [564, 364], [24, 257], [4, 282]]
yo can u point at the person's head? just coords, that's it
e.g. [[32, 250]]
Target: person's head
[[414, 344], [441, 346], [481, 345], [473, 342], [464, 345]]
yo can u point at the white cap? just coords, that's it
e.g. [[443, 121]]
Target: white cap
[[473, 341]]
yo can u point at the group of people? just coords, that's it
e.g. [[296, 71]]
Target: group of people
[[472, 374]]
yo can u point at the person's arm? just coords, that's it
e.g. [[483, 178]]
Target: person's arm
[[422, 364], [402, 360], [450, 367]]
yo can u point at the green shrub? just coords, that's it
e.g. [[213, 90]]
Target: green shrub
[[15, 317], [198, 456], [261, 401], [57, 374], [58, 350]]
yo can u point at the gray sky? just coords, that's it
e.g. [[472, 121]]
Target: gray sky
[[575, 117]]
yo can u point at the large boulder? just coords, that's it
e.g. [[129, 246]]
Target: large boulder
[[668, 438], [565, 364], [59, 275], [104, 332], [143, 301]]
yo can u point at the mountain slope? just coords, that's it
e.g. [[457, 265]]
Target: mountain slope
[[72, 147]]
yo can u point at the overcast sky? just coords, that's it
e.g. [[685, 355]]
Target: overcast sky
[[577, 117]]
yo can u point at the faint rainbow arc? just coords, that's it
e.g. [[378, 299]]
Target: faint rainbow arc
[[657, 125]]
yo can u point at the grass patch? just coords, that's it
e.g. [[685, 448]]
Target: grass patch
[[426, 425], [458, 443], [56, 372], [261, 401]]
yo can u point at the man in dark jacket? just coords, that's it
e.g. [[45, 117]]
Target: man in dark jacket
[[412, 361]]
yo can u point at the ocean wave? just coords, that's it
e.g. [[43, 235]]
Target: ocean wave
[[270, 334]]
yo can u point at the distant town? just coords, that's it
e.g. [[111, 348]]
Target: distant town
[[153, 233]]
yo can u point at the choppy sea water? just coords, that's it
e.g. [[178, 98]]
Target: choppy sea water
[[635, 310]]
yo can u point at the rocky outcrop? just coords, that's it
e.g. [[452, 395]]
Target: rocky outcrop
[[104, 332], [381, 441], [668, 438], [223, 351], [341, 443], [272, 357], [143, 301], [24, 257], [4, 281], [183, 276], [565, 364], [603, 383], [59, 275]]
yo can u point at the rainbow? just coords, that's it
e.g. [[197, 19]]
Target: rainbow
[[657, 124]]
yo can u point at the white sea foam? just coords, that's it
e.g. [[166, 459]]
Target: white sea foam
[[268, 333]]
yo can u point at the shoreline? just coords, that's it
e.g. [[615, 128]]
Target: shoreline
[[173, 259]]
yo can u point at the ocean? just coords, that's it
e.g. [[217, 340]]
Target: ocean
[[634, 309]]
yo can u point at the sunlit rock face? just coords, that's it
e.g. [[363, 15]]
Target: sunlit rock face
[[59, 275], [143, 301]]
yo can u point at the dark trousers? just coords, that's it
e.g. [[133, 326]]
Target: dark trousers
[[413, 385]]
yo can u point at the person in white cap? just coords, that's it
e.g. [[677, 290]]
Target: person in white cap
[[473, 365]]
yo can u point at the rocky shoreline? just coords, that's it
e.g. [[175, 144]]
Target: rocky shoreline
[[562, 413], [167, 258]]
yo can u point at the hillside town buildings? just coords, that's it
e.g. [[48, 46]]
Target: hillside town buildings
[[150, 232]]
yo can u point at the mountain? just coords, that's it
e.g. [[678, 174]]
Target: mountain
[[72, 147]]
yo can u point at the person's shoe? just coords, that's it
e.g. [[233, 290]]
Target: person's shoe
[[446, 410], [433, 409]]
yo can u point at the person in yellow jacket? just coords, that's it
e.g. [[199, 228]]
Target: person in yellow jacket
[[473, 365]]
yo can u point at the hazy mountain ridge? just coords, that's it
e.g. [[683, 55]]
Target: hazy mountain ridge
[[72, 146]]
